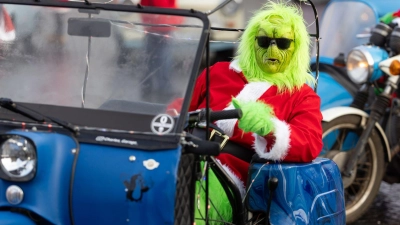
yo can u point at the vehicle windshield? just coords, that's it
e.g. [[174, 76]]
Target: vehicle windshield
[[77, 61], [344, 26]]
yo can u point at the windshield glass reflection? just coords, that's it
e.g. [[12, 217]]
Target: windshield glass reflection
[[116, 61], [345, 25]]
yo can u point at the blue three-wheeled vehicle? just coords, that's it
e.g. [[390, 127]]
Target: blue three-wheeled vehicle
[[85, 140]]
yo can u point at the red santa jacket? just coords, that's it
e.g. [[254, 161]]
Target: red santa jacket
[[298, 131]]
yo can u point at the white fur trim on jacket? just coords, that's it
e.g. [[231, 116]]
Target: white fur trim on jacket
[[234, 65], [239, 183], [250, 93], [282, 142]]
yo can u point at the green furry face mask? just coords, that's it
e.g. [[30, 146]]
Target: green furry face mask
[[263, 59], [274, 46]]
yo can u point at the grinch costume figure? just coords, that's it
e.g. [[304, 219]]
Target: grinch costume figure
[[268, 80]]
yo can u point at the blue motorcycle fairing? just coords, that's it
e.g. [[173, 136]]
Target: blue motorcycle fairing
[[116, 185], [378, 54], [47, 193], [307, 193], [12, 218]]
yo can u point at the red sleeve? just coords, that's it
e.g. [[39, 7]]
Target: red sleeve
[[305, 130], [297, 138]]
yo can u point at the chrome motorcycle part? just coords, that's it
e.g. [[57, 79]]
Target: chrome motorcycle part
[[363, 63], [14, 195], [17, 159]]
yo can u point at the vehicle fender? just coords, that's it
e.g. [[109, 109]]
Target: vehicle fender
[[332, 79], [335, 112], [11, 218]]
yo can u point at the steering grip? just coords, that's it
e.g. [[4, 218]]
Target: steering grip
[[205, 147], [225, 114], [200, 115], [202, 147]]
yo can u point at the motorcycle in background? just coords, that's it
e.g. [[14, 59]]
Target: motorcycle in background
[[344, 121], [362, 138]]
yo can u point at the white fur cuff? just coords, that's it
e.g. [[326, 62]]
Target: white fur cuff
[[234, 65], [282, 142]]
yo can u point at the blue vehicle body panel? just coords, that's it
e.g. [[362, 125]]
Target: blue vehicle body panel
[[47, 193], [308, 193], [378, 55], [103, 175], [12, 218], [332, 93]]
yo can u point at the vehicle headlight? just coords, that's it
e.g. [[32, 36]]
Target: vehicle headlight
[[17, 159], [363, 63]]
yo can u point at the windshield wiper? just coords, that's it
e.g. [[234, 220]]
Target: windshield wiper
[[36, 116]]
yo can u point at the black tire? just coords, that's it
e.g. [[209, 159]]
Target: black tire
[[184, 198], [362, 187]]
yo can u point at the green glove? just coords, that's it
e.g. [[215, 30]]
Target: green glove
[[256, 117]]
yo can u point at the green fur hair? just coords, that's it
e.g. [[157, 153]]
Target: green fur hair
[[297, 73]]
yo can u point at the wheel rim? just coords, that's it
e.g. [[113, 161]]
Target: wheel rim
[[366, 173]]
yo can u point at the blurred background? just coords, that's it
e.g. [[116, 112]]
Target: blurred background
[[234, 15]]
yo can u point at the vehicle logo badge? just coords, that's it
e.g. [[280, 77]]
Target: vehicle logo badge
[[162, 124]]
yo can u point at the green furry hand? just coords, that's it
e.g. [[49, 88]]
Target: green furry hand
[[256, 117]]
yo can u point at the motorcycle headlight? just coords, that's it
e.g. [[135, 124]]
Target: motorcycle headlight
[[17, 159], [363, 63]]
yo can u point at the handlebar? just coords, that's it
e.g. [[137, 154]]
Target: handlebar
[[200, 115], [206, 147]]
